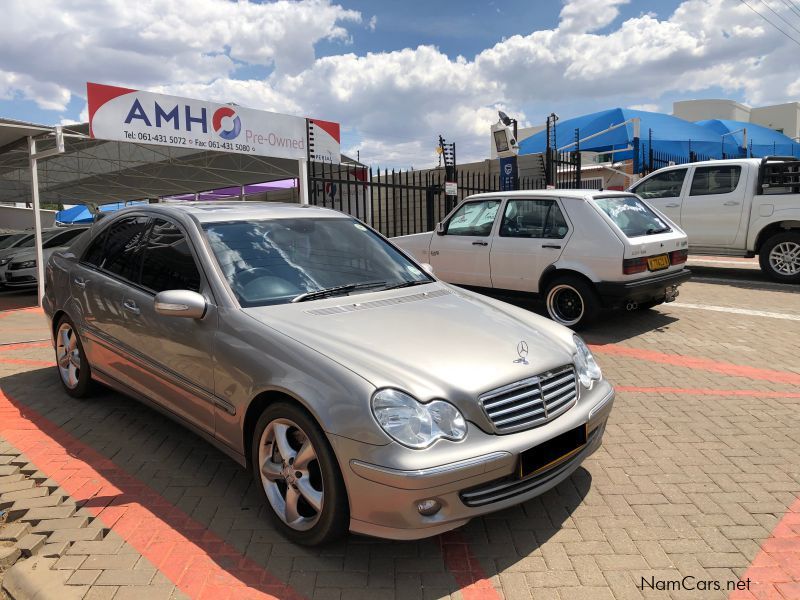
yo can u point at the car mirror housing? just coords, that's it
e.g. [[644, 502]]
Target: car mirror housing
[[428, 268], [180, 303], [440, 229]]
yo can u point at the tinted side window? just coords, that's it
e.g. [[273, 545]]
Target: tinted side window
[[715, 180], [94, 253], [533, 219], [122, 254], [168, 263], [663, 185], [474, 218], [63, 239]]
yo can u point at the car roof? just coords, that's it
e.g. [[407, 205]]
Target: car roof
[[561, 193], [214, 212]]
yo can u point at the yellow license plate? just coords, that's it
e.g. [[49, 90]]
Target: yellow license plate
[[656, 263]]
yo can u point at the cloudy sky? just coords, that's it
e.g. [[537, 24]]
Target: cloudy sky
[[397, 74]]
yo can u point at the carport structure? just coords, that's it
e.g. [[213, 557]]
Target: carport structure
[[40, 163]]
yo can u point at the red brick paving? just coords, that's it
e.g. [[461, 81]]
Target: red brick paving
[[199, 562]]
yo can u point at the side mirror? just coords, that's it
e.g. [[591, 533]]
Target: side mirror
[[180, 303], [440, 229], [427, 268]]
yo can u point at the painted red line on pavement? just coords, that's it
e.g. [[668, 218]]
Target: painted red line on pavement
[[705, 392], [25, 345], [195, 559], [26, 361], [465, 568], [13, 311], [704, 364], [775, 571]]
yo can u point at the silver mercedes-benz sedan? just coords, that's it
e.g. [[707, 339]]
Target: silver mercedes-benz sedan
[[361, 392]]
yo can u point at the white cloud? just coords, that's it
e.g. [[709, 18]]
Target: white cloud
[[396, 103], [373, 21]]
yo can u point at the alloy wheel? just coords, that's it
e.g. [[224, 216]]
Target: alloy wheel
[[68, 355], [784, 258], [565, 304], [291, 475]]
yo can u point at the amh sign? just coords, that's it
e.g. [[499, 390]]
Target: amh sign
[[128, 115]]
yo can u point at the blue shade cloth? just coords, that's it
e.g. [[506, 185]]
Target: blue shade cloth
[[763, 139], [670, 135], [81, 214]]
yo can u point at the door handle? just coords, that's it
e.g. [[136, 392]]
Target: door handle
[[671, 205], [80, 282], [480, 243], [551, 246], [131, 307], [731, 203]]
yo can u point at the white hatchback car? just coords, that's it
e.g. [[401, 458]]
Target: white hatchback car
[[582, 250]]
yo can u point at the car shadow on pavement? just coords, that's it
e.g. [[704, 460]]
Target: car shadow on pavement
[[214, 491], [16, 299]]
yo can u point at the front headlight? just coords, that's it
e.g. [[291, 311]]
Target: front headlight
[[587, 368], [4, 261], [26, 264], [415, 424]]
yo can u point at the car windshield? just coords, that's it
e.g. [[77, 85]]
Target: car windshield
[[279, 260], [12, 239], [631, 215]]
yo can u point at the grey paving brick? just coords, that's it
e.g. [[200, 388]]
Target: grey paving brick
[[14, 531], [125, 577], [52, 516], [87, 534], [30, 544], [110, 561], [83, 577], [55, 524]]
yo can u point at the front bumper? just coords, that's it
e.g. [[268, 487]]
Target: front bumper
[[18, 278], [384, 499], [617, 294]]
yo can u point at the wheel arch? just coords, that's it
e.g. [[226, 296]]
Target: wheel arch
[[257, 406], [552, 273], [774, 228]]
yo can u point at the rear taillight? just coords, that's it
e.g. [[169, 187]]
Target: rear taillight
[[678, 257], [634, 265]]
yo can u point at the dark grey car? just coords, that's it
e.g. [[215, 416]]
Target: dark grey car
[[363, 393]]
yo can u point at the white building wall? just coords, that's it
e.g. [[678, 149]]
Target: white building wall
[[781, 117], [701, 110]]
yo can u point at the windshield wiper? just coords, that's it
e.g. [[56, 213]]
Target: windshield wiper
[[339, 289], [652, 231], [406, 284]]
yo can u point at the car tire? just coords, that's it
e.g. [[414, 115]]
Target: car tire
[[74, 370], [572, 302], [779, 257], [292, 490]]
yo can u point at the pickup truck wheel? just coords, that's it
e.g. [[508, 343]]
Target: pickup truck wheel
[[572, 302], [780, 257]]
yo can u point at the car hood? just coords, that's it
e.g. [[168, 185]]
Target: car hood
[[30, 254], [433, 341]]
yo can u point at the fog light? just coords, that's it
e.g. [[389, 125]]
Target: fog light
[[428, 507]]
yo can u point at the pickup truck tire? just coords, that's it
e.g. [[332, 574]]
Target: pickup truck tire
[[572, 302], [780, 257]]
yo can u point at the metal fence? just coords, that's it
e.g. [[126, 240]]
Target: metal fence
[[397, 202]]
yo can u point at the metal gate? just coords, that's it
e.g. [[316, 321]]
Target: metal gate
[[562, 166], [395, 202]]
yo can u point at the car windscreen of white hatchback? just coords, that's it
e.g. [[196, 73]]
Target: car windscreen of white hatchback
[[292, 260], [631, 215]]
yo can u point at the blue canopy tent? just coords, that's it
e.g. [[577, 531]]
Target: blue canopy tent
[[762, 141], [82, 214], [670, 135]]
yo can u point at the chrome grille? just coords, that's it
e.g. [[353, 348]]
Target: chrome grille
[[531, 402]]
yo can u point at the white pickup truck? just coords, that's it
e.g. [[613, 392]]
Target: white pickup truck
[[581, 250], [742, 207]]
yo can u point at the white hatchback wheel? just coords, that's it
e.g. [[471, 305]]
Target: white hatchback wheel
[[565, 304], [290, 473], [68, 356]]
